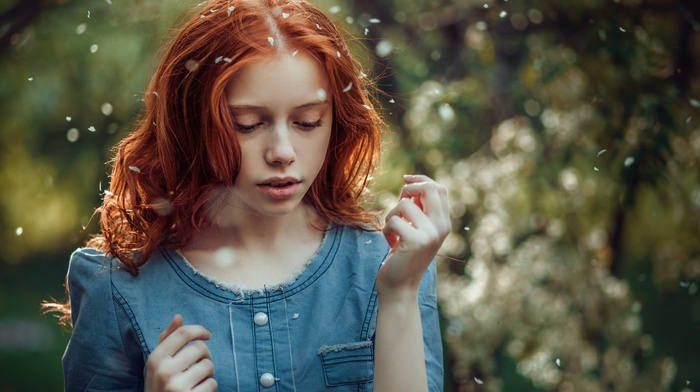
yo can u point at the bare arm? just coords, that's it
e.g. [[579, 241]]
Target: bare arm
[[415, 230]]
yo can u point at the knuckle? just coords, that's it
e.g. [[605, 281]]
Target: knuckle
[[200, 346], [207, 364]]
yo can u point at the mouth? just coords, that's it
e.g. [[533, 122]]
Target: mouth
[[280, 182], [280, 188]]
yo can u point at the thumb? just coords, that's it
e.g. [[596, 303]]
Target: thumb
[[175, 323]]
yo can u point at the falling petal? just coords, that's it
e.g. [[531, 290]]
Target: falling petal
[[367, 107], [88, 14], [467, 228], [30, 79], [486, 6], [72, 135], [558, 362], [155, 93], [134, 168], [285, 15], [227, 59], [375, 20], [446, 113], [337, 53], [91, 128], [368, 242], [347, 88], [295, 53], [503, 14], [366, 31], [335, 9], [271, 40], [349, 20], [478, 381], [295, 316], [213, 10], [601, 152], [596, 169], [229, 10], [94, 48], [106, 108], [384, 48], [694, 103], [623, 30], [218, 59], [109, 2], [79, 29], [629, 161], [162, 206], [318, 26], [68, 118], [687, 120], [392, 100], [321, 93], [192, 65], [19, 231]]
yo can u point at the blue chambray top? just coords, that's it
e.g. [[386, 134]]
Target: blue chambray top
[[315, 333]]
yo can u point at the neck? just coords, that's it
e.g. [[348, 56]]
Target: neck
[[243, 230]]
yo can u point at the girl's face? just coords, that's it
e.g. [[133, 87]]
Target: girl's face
[[282, 111]]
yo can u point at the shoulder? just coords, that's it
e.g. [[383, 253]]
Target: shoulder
[[88, 276], [364, 244]]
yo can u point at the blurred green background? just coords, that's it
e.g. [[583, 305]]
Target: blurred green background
[[568, 133]]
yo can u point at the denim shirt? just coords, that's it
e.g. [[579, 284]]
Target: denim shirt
[[315, 333]]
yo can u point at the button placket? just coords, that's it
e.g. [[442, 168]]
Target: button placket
[[264, 346]]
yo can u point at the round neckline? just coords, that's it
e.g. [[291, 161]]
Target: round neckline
[[208, 287]]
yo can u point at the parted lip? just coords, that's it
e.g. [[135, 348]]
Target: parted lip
[[279, 181]]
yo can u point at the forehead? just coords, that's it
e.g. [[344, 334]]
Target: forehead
[[280, 79]]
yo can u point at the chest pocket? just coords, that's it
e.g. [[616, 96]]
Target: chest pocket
[[350, 364]]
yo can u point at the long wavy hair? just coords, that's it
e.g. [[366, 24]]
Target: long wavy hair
[[183, 148]]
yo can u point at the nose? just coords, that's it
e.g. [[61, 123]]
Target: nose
[[280, 149]]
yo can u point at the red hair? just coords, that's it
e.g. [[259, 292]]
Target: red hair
[[166, 172]]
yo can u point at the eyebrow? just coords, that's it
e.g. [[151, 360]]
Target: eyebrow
[[261, 108]]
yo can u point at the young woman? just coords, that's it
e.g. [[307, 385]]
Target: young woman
[[234, 251]]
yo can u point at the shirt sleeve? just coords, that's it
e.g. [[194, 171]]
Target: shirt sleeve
[[432, 338], [99, 355]]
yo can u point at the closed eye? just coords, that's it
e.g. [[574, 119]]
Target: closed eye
[[309, 125], [245, 128]]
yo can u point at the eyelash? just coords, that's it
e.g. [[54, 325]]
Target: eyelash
[[304, 125], [311, 125]]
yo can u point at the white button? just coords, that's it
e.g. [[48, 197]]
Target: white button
[[267, 379], [260, 318]]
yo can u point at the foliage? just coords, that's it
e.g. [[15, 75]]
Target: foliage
[[567, 132]]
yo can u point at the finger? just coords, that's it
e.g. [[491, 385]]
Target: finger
[[408, 210], [179, 338], [397, 230], [175, 323], [192, 353], [413, 178], [196, 374], [433, 198], [208, 385]]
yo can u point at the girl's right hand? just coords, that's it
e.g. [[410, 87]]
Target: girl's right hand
[[175, 365]]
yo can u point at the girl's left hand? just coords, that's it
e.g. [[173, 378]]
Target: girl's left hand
[[415, 230]]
